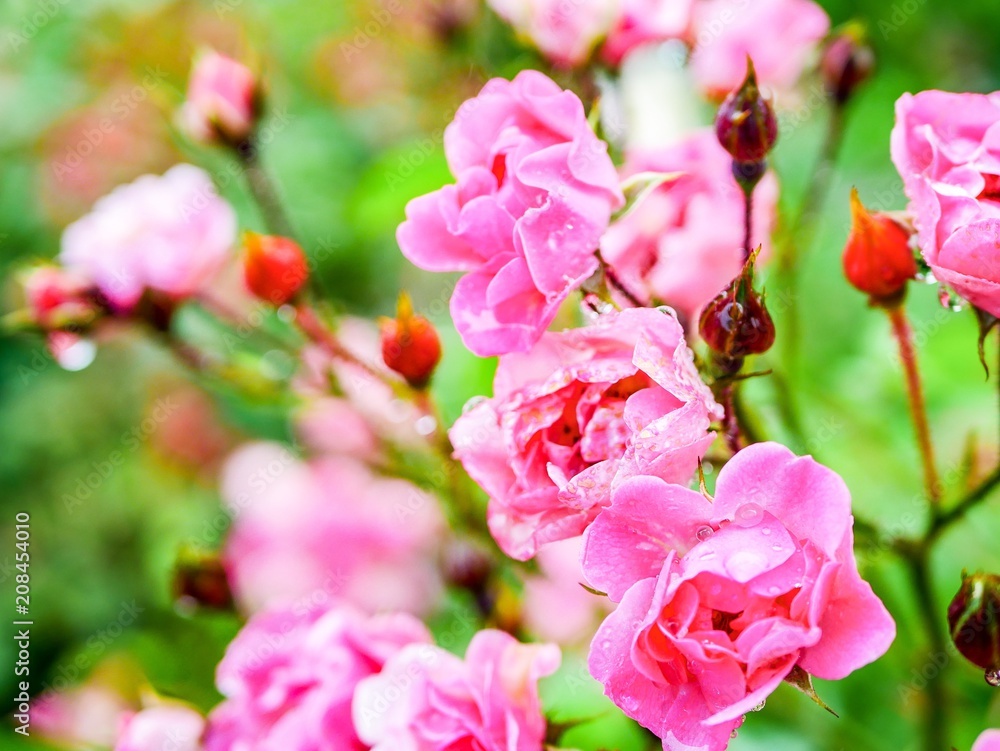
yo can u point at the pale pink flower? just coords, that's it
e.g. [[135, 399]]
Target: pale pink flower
[[643, 22], [222, 100], [331, 425], [169, 233], [289, 677], [565, 31], [683, 244], [168, 727], [85, 715], [718, 601], [556, 607], [779, 35], [947, 150], [426, 699], [324, 528], [988, 740], [578, 413], [535, 191]]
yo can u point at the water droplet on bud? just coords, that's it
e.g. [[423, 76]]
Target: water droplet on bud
[[993, 678]]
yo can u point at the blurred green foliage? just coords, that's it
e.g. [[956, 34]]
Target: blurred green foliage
[[357, 132]]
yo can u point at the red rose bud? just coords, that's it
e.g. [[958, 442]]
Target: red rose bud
[[736, 323], [410, 345], [847, 62], [745, 124], [56, 298], [877, 259], [275, 267], [199, 578], [974, 621], [224, 101]]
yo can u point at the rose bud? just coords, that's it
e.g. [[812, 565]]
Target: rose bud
[[877, 259], [275, 268], [745, 124], [847, 62], [736, 323], [56, 298], [223, 103], [410, 345], [200, 578], [974, 621]]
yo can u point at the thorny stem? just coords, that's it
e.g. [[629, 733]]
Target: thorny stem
[[730, 422], [747, 223], [616, 282]]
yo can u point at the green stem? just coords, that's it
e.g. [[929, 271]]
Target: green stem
[[936, 713], [263, 190], [980, 493]]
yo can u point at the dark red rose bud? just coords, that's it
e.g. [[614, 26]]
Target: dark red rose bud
[[877, 258], [847, 62], [275, 267], [974, 620], [199, 578], [410, 345], [745, 124], [736, 323]]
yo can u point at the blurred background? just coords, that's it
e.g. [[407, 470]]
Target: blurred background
[[358, 96]]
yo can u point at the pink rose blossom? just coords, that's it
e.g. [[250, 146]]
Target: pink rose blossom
[[988, 740], [646, 21], [535, 191], [565, 31], [578, 413], [169, 727], [718, 601], [82, 716], [327, 527], [426, 699], [330, 425], [683, 243], [779, 35], [289, 677], [169, 233], [221, 100], [947, 150]]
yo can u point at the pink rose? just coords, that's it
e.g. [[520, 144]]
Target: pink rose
[[779, 35], [947, 150], [170, 727], [643, 22], [86, 715], [426, 699], [535, 191], [988, 740], [289, 677], [327, 527], [683, 243], [169, 233], [718, 601], [580, 412], [221, 100], [565, 31]]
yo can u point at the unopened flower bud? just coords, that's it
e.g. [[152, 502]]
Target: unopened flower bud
[[224, 101], [847, 62], [275, 268], [745, 124], [200, 578], [410, 345], [56, 298], [877, 258], [736, 323], [974, 621]]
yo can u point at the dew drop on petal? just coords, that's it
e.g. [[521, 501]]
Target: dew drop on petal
[[734, 734], [759, 707], [472, 404], [749, 515], [704, 532], [993, 678], [426, 425], [766, 531]]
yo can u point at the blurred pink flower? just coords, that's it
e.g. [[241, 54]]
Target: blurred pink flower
[[426, 698], [683, 243], [577, 414], [83, 716], [222, 100], [169, 233], [779, 35], [56, 298], [327, 528], [988, 740], [556, 607], [719, 601], [565, 31], [642, 22], [169, 727], [535, 191], [290, 674], [947, 150], [330, 425]]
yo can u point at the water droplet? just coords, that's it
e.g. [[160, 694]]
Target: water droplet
[[473, 403], [707, 556], [704, 532], [777, 548], [759, 706], [749, 515], [707, 467], [77, 355], [993, 678], [766, 531], [774, 591], [926, 276], [734, 734], [426, 425]]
